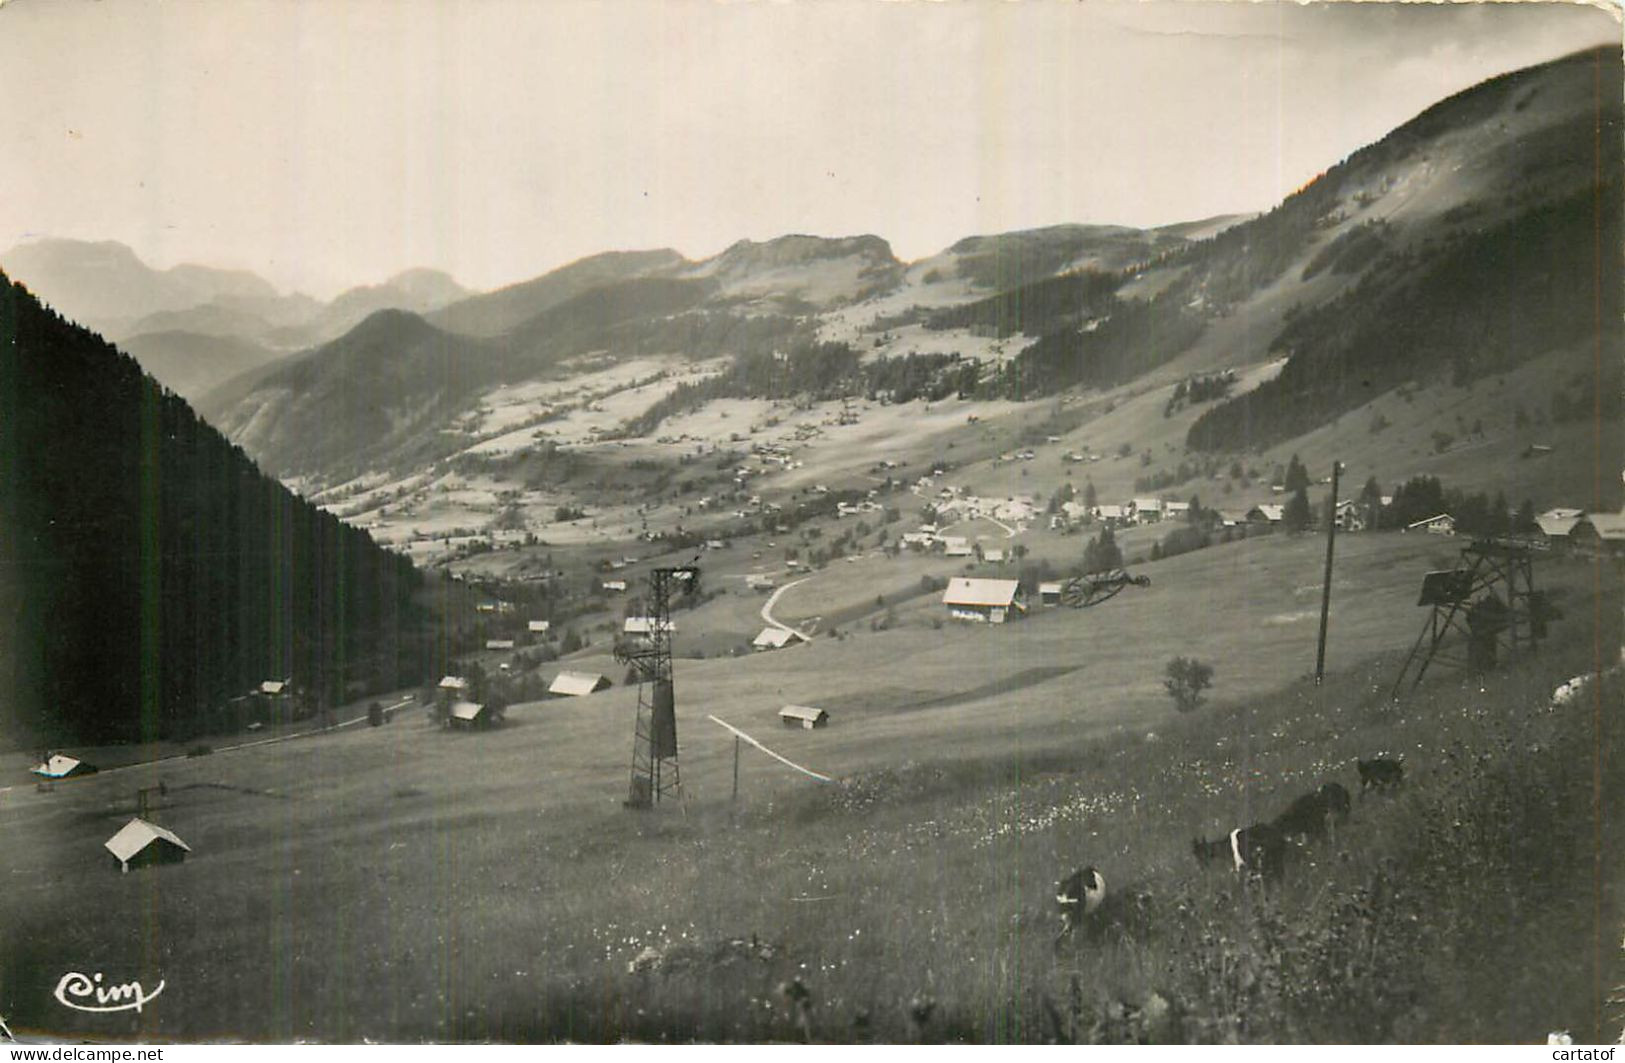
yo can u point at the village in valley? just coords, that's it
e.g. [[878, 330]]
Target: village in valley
[[1208, 633]]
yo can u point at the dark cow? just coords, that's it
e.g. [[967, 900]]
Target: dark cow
[[1077, 896], [1380, 774], [1209, 851], [1307, 817], [1336, 796]]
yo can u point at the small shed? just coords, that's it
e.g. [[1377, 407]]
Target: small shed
[[62, 766], [539, 627], [470, 714], [645, 626], [275, 688], [578, 684], [774, 638], [1049, 593], [140, 843], [454, 683], [804, 716], [499, 644], [615, 586]]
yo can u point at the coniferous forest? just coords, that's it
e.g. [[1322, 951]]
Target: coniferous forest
[[149, 571]]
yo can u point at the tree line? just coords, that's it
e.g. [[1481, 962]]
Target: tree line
[[149, 571]]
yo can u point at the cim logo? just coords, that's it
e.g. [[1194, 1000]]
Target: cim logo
[[86, 993]]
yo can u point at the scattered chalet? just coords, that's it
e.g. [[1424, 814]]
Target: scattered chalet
[[1599, 533], [982, 600], [1438, 524], [774, 638], [62, 766], [1557, 523], [468, 714], [578, 684], [140, 843]]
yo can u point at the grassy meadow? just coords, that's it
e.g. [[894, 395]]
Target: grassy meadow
[[404, 884]]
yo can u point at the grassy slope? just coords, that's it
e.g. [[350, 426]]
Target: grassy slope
[[399, 883]]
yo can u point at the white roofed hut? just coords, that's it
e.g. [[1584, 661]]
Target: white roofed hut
[[578, 684], [472, 715], [983, 600], [803, 716], [774, 638], [1049, 593], [140, 843], [62, 766]]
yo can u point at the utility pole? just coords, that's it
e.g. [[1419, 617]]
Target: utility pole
[[1326, 587]]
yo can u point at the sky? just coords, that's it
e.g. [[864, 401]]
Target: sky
[[328, 144]]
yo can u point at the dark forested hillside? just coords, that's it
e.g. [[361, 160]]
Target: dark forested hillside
[[148, 570], [1478, 304]]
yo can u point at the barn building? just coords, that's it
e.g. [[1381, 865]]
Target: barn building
[[804, 716], [774, 638], [578, 684], [1600, 533], [983, 600], [1558, 523], [140, 844]]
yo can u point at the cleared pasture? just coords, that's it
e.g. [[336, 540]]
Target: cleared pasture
[[403, 883]]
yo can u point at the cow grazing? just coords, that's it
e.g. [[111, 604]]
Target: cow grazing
[[1209, 851], [1336, 796], [1077, 896], [1306, 818], [1380, 774], [1259, 849], [1309, 815]]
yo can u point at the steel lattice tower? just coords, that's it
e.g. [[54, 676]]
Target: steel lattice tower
[[654, 741], [1489, 599]]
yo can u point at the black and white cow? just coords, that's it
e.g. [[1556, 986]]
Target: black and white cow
[[1077, 896], [1259, 849]]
